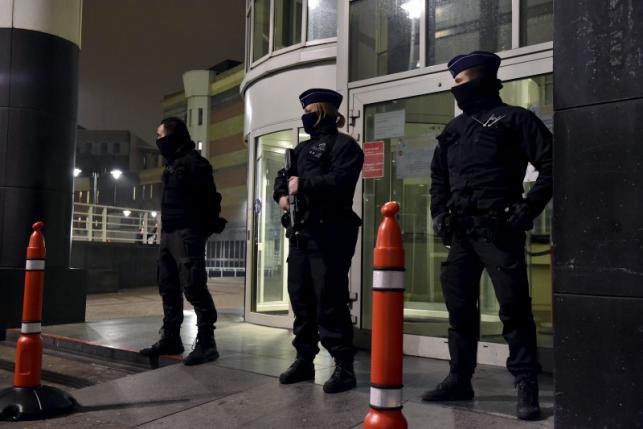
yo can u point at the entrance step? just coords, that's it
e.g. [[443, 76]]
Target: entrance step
[[131, 358]]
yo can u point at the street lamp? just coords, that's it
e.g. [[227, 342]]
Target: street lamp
[[154, 214], [116, 174], [77, 172], [414, 8]]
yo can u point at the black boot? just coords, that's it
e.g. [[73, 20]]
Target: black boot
[[205, 350], [453, 388], [343, 378], [527, 407], [301, 370], [169, 344]]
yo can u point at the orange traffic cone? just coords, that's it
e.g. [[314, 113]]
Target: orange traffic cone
[[387, 326], [28, 399]]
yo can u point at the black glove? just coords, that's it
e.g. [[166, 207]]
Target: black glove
[[443, 228], [520, 216], [280, 187]]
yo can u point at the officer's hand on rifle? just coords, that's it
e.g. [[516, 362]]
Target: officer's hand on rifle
[[293, 185], [283, 203]]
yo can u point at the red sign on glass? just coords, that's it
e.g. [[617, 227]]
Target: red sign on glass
[[373, 160]]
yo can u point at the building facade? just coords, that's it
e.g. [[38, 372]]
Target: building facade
[[98, 153], [388, 58]]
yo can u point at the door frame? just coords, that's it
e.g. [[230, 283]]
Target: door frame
[[516, 65]]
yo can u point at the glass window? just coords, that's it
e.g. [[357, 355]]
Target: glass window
[[261, 29], [270, 291], [288, 15], [200, 116], [248, 40], [536, 22], [460, 26], [384, 37], [322, 19]]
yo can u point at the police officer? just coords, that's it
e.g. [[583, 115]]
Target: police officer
[[478, 209], [323, 177], [189, 214]]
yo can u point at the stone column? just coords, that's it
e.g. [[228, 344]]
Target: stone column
[[39, 48], [598, 223]]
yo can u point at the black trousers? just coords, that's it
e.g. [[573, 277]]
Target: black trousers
[[318, 267], [181, 269], [504, 260]]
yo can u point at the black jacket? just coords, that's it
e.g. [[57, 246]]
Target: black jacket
[[480, 162], [190, 198], [328, 166]]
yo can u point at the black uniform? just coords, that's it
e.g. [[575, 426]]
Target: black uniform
[[477, 185], [190, 207], [328, 166]]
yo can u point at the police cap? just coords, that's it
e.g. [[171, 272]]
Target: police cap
[[320, 95], [488, 60]]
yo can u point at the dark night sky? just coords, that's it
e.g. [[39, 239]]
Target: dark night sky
[[135, 51]]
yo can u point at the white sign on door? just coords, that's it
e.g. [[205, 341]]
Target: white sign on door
[[389, 124]]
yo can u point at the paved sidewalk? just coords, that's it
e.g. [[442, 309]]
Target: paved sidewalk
[[211, 396], [241, 390], [139, 302]]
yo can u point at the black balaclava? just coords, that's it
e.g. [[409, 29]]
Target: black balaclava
[[309, 120], [173, 147], [478, 94]]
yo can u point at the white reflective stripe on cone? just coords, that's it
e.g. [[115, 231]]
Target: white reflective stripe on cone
[[31, 328], [386, 398], [35, 264], [388, 279]]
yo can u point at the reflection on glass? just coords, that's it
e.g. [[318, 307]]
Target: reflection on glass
[[322, 19], [409, 138], [270, 293], [288, 15], [261, 29], [536, 22], [384, 37], [536, 94], [461, 26], [409, 149]]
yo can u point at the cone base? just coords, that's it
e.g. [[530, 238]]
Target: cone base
[[385, 419], [34, 403]]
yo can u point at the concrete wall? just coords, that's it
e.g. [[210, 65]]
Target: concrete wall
[[111, 267]]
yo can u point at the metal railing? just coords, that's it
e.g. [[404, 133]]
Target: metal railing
[[225, 254], [115, 224]]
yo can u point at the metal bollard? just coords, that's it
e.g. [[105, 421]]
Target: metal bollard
[[387, 326], [28, 399]]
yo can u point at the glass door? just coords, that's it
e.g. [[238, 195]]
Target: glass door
[[402, 120], [407, 129], [270, 291]]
